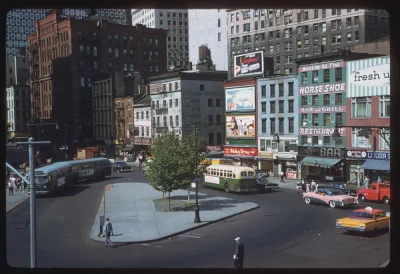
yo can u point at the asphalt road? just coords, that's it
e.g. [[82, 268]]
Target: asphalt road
[[284, 233]]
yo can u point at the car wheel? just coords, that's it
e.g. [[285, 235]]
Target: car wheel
[[386, 200], [332, 204], [362, 198], [226, 187], [307, 200]]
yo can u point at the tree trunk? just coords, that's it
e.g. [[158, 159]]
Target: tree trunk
[[169, 201], [189, 195]]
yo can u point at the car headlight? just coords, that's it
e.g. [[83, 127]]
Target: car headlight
[[338, 224], [361, 226]]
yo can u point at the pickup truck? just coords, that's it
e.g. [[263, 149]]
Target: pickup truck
[[376, 192]]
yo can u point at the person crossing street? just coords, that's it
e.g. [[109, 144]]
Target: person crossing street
[[239, 254], [108, 229]]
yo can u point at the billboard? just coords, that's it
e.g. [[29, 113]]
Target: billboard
[[240, 99], [240, 126], [368, 77], [248, 64]]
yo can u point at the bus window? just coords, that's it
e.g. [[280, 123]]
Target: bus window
[[221, 173], [243, 174], [251, 174], [234, 175], [224, 173]]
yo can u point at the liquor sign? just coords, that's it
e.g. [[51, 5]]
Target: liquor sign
[[320, 131], [368, 77], [142, 141], [322, 89], [322, 109], [357, 154], [322, 151], [378, 155], [322, 66], [214, 148], [249, 64], [241, 151]]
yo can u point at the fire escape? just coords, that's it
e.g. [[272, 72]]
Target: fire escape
[[34, 81]]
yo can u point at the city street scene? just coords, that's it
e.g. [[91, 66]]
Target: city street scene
[[191, 138]]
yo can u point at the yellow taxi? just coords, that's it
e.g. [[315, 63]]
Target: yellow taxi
[[363, 220]]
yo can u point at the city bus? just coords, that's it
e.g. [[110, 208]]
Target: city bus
[[231, 178], [217, 161], [93, 168]]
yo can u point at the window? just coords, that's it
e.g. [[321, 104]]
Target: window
[[170, 103], [326, 100], [349, 37], [288, 59], [288, 19], [272, 126], [305, 29], [336, 24], [338, 98], [218, 102], [316, 42], [210, 119], [359, 141], [263, 107], [263, 91], [272, 107], [338, 74], [246, 27], [323, 13], [263, 125], [306, 43], [348, 22], [315, 14], [219, 22], [291, 125], [327, 119], [290, 89], [218, 120], [304, 140], [232, 30], [315, 77], [201, 87], [336, 11], [291, 106], [326, 75], [327, 140], [315, 100], [305, 15], [281, 91], [339, 118], [356, 35], [219, 36], [176, 102], [315, 28], [177, 120], [315, 140], [281, 125], [82, 82], [356, 21], [382, 143], [272, 91], [209, 102], [281, 106], [278, 34], [336, 39], [304, 78], [323, 40], [384, 106], [299, 44], [210, 138], [361, 107], [304, 120]]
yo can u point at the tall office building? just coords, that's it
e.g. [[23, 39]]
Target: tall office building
[[209, 27], [176, 22], [21, 23], [289, 34]]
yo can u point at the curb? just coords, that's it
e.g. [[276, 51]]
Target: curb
[[385, 264], [17, 204], [97, 216], [180, 232]]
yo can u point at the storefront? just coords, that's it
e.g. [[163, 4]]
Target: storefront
[[324, 164], [141, 147], [355, 159], [286, 162], [243, 156], [265, 161], [377, 164]]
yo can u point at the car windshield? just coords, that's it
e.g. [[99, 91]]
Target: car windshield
[[121, 164], [361, 215], [336, 192]]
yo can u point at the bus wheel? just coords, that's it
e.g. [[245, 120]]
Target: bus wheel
[[226, 187]]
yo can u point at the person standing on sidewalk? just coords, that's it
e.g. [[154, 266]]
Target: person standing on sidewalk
[[107, 230], [282, 176], [313, 185], [366, 182], [10, 189], [239, 254]]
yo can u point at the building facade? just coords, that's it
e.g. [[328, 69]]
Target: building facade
[[368, 102], [288, 34], [66, 54], [182, 100], [241, 121], [18, 114], [175, 21], [17, 71], [142, 121], [277, 110], [21, 23], [210, 28]]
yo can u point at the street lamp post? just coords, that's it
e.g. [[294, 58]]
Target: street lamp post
[[196, 210], [31, 143]]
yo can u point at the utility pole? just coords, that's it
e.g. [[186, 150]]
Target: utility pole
[[196, 210], [31, 143]]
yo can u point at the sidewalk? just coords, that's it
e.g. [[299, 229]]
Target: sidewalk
[[15, 200], [131, 211], [288, 183]]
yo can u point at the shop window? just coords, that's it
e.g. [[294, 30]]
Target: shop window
[[382, 143], [384, 106], [359, 141], [361, 107]]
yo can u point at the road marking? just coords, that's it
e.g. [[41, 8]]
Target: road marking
[[190, 236], [386, 263], [151, 245]]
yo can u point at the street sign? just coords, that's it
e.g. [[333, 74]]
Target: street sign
[[108, 187], [193, 185]]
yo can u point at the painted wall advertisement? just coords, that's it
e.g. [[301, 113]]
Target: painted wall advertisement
[[319, 131], [368, 77], [240, 126], [321, 66], [241, 151], [240, 99], [249, 64], [322, 89]]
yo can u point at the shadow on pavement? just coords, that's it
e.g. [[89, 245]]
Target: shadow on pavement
[[66, 192]]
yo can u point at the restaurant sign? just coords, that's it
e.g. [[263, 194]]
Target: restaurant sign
[[320, 131], [322, 109], [214, 149], [322, 66], [322, 151], [142, 141], [356, 154], [322, 89], [241, 151]]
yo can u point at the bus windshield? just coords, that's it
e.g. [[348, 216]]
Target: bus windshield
[[41, 179]]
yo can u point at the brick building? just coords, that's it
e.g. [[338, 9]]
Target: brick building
[[66, 54]]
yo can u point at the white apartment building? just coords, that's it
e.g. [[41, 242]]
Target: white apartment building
[[142, 123], [209, 27], [175, 21], [182, 99], [18, 111]]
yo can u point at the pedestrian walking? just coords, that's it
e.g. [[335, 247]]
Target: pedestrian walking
[[108, 229], [316, 187], [303, 185], [239, 254], [313, 184], [366, 182], [25, 185], [308, 187], [10, 189], [379, 179], [282, 174]]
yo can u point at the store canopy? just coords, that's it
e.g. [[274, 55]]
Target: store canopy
[[372, 164], [319, 161]]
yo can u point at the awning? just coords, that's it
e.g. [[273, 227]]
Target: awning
[[320, 161], [373, 164]]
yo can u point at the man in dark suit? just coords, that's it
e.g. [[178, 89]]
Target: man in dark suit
[[239, 254]]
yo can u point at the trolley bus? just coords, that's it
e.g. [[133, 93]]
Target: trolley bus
[[52, 178], [94, 168], [231, 178]]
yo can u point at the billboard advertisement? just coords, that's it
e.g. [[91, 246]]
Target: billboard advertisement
[[248, 64], [368, 77], [240, 126], [240, 99]]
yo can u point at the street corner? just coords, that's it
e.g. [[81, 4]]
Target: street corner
[[14, 201]]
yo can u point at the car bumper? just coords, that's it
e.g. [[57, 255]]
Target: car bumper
[[352, 228]]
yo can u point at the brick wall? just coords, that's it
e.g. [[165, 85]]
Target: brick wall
[[378, 47]]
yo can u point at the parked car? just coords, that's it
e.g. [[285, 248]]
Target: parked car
[[264, 185], [364, 220], [342, 186], [376, 192], [330, 196], [121, 167]]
